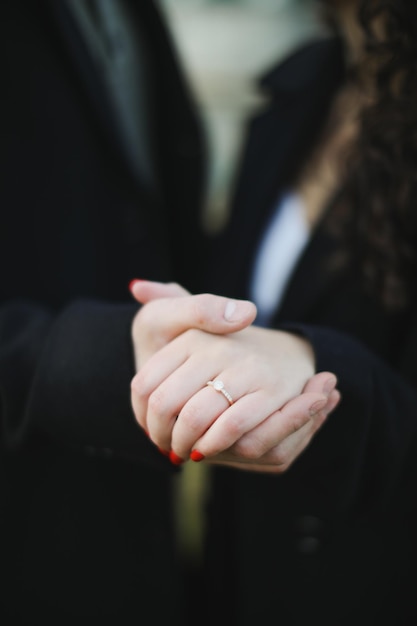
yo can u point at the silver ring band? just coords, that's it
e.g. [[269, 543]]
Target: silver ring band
[[218, 385]]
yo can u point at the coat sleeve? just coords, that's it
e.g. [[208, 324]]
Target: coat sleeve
[[364, 458], [66, 378]]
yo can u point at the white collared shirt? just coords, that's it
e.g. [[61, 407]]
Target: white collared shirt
[[282, 245]]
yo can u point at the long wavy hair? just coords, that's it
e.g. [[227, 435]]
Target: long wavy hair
[[378, 204]]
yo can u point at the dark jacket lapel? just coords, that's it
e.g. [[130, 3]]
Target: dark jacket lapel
[[179, 143], [92, 81], [312, 277], [278, 140]]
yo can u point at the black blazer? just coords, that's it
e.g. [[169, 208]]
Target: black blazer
[[85, 513], [333, 541]]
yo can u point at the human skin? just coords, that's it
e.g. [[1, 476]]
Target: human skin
[[182, 341]]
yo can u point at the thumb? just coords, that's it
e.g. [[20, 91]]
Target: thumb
[[164, 318]]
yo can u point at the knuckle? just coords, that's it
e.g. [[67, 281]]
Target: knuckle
[[157, 402], [135, 385], [144, 328], [145, 316], [281, 458], [139, 385], [192, 334], [298, 421], [233, 428], [250, 448], [191, 417], [199, 308]]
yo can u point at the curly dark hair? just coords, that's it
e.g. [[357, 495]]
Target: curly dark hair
[[378, 205]]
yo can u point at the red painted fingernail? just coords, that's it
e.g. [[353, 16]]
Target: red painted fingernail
[[164, 452], [133, 283], [175, 459], [196, 456]]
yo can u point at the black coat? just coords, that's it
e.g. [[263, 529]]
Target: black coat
[[85, 512], [332, 541], [86, 519]]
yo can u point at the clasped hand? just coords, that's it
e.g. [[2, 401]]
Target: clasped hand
[[277, 403]]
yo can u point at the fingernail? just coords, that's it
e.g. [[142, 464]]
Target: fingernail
[[234, 311], [175, 459], [317, 406], [196, 456], [162, 451], [133, 283], [329, 385]]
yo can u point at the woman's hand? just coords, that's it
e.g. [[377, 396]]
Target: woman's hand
[[174, 310], [268, 424], [247, 452]]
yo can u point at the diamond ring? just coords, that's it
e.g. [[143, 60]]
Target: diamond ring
[[218, 385]]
